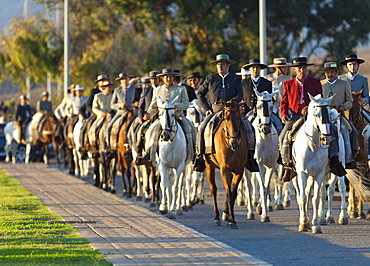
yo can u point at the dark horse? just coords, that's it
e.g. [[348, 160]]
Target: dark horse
[[230, 156], [45, 135], [356, 118]]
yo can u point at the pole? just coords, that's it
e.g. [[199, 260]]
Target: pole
[[262, 34], [66, 46]]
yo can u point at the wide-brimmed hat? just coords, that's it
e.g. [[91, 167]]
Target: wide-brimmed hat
[[279, 62], [178, 73], [106, 83], [352, 57], [44, 93], [144, 81], [153, 74], [194, 75], [223, 58], [254, 62], [101, 77], [167, 71], [330, 66], [79, 88], [300, 61], [243, 71], [23, 97], [123, 75]]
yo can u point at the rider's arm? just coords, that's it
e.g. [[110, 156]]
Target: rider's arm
[[183, 102], [202, 93], [366, 91], [114, 104], [96, 106]]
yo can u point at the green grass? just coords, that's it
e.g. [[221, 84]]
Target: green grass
[[26, 238]]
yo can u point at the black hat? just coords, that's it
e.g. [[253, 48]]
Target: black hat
[[153, 74], [178, 73], [101, 77], [194, 75], [301, 61], [106, 83], [144, 81], [254, 62], [168, 71], [222, 58], [330, 66], [123, 75], [352, 57]]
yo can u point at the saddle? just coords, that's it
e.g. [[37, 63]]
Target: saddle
[[294, 128], [113, 134]]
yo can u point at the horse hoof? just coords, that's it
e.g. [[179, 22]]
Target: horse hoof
[[241, 203], [265, 219], [190, 207], [185, 208], [255, 203], [129, 196], [368, 215], [232, 226], [113, 191], [331, 220], [179, 212], [217, 222], [201, 202], [259, 209], [279, 207], [139, 198], [302, 228], [353, 214], [270, 209], [250, 216], [124, 193], [171, 215], [323, 222], [286, 203], [225, 217], [316, 229], [147, 200], [163, 212], [361, 216], [343, 221]]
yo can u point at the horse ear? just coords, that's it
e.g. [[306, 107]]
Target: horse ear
[[330, 98], [358, 93], [223, 102], [241, 103], [313, 98]]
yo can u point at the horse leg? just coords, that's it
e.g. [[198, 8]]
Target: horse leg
[[343, 216], [240, 195], [302, 201], [165, 188], [178, 189], [254, 190], [329, 215], [46, 153], [279, 186], [139, 184], [210, 172], [130, 192], [248, 187], [123, 172], [286, 190], [321, 208], [97, 181], [234, 190], [200, 187], [352, 212], [316, 229]]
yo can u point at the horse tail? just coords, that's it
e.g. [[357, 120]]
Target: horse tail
[[354, 176]]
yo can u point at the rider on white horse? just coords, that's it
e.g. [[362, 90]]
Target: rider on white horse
[[23, 116], [294, 103], [342, 101]]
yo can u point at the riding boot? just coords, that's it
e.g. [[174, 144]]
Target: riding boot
[[140, 160], [336, 166], [199, 164], [288, 174], [351, 165], [252, 165]]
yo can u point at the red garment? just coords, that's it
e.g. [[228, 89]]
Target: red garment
[[291, 96]]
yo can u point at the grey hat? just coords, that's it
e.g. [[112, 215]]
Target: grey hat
[[153, 74], [144, 81], [44, 93], [330, 66], [254, 62], [223, 58], [79, 88], [167, 71], [123, 75], [101, 77], [279, 62]]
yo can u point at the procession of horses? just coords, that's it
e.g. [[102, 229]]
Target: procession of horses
[[167, 180]]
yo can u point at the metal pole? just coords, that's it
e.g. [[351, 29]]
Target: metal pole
[[28, 80], [66, 46], [262, 34]]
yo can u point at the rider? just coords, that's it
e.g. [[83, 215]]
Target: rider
[[43, 107], [101, 107], [342, 101], [60, 112], [171, 92], [293, 106], [23, 116], [243, 73], [225, 86], [122, 102]]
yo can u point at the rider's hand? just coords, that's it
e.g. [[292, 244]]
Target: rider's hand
[[342, 107], [146, 117], [284, 118], [209, 112], [104, 114], [304, 111]]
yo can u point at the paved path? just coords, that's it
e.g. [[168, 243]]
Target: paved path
[[124, 232]]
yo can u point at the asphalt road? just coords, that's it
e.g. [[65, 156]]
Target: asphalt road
[[279, 242]]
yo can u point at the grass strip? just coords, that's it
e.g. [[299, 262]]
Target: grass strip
[[26, 238]]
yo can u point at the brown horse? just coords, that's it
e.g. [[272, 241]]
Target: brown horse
[[45, 136], [230, 156], [355, 117]]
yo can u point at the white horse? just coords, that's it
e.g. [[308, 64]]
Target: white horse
[[82, 166], [194, 181], [172, 153], [310, 153], [12, 144], [267, 148]]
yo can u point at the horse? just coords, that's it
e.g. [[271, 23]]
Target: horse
[[267, 149], [59, 143], [82, 165], [194, 181], [355, 116], [230, 155], [45, 135], [13, 142], [311, 157], [172, 154]]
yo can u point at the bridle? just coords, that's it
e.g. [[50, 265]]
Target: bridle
[[265, 128], [235, 135], [170, 126], [322, 136]]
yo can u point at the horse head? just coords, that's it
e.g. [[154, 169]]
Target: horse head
[[195, 113], [264, 110], [167, 118], [232, 119], [318, 114]]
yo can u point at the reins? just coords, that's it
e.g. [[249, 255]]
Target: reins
[[321, 135]]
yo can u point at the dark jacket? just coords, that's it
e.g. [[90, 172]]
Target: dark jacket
[[249, 94], [86, 109], [191, 92], [216, 91], [145, 100], [23, 112]]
